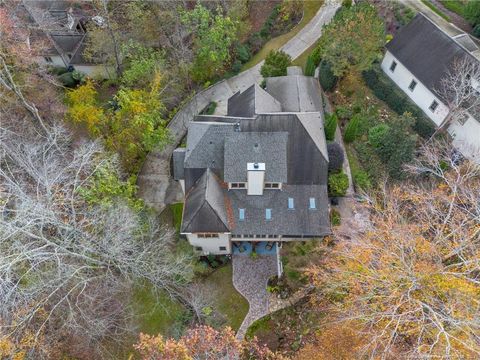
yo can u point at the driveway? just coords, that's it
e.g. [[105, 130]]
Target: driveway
[[250, 277], [155, 186]]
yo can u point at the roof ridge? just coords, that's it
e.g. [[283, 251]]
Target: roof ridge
[[451, 38]]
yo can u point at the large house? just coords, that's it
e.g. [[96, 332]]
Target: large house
[[417, 60], [62, 28], [257, 176]]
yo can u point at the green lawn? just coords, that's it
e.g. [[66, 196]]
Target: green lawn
[[456, 6], [158, 313], [177, 211], [309, 11], [227, 301], [302, 59], [435, 9]]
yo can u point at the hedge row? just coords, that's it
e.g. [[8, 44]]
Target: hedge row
[[386, 90]]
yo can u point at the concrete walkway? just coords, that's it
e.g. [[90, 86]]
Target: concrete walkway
[[250, 277], [154, 181]]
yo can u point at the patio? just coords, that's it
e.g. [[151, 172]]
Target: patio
[[260, 247]]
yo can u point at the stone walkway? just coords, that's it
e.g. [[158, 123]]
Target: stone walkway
[[250, 277], [154, 180]]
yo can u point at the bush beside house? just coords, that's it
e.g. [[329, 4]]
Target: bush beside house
[[276, 64]]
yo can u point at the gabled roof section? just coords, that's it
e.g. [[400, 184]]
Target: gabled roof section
[[296, 93], [205, 144], [253, 100], [204, 209], [426, 50], [242, 148], [178, 163], [313, 124]]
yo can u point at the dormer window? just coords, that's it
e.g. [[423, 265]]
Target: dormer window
[[290, 204]]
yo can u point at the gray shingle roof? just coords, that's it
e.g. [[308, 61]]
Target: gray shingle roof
[[205, 144], [250, 147], [205, 206], [253, 100], [297, 222], [425, 50], [178, 163], [296, 93]]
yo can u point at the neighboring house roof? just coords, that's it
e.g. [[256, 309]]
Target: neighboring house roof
[[296, 93], [205, 207], [300, 221], [252, 101], [257, 147], [426, 51]]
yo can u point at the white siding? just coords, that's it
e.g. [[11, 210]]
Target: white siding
[[211, 245], [95, 71], [422, 96], [466, 138], [56, 61]]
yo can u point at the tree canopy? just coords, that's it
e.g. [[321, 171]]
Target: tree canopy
[[353, 39]]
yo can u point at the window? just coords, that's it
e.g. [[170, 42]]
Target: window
[[268, 214], [238, 185], [241, 214], [272, 185], [198, 248], [290, 203], [412, 85], [434, 106], [312, 204], [393, 66], [272, 236], [48, 59], [222, 248], [207, 235]]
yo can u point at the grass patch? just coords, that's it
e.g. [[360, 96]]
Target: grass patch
[[456, 6], [435, 9], [260, 325], [177, 211], [302, 59], [156, 312], [227, 300], [209, 109], [310, 8]]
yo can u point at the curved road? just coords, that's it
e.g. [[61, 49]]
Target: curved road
[[155, 184]]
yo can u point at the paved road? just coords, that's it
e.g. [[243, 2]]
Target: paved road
[[250, 278], [154, 181]]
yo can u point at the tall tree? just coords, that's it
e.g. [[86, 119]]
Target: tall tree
[[213, 36], [353, 39], [408, 279]]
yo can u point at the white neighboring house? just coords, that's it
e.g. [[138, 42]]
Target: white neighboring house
[[417, 60]]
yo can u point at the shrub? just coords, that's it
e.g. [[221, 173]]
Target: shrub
[[310, 66], [376, 135], [316, 56], [331, 121], [476, 31], [335, 218], [276, 64], [386, 90], [472, 12], [243, 53], [337, 184], [57, 70], [68, 80], [327, 79], [343, 112], [336, 156], [361, 180], [347, 4], [351, 131]]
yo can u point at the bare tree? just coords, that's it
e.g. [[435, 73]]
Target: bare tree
[[460, 89]]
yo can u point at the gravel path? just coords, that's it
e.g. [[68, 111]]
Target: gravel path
[[250, 277], [154, 181]]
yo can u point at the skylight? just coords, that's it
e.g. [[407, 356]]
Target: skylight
[[290, 203], [241, 214], [312, 203], [268, 214]]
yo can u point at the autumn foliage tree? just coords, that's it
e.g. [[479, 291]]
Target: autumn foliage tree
[[202, 342], [409, 281]]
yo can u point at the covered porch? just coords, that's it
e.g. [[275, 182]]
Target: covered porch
[[259, 247]]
